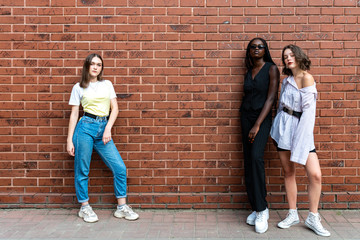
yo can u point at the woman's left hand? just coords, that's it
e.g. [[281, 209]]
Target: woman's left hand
[[253, 132], [106, 136]]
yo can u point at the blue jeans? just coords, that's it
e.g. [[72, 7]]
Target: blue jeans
[[88, 136]]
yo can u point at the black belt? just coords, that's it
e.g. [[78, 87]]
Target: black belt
[[94, 116], [292, 112]]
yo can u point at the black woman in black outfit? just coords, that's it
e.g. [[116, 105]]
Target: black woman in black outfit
[[260, 92]]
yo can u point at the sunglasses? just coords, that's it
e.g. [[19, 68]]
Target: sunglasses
[[260, 46]]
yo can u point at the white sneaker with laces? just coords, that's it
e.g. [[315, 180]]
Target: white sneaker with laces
[[261, 221], [88, 214], [251, 219], [292, 218], [126, 212], [313, 221]]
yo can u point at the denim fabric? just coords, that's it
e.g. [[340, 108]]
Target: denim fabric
[[88, 136]]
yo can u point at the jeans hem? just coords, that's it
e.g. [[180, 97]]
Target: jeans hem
[[82, 201], [117, 197]]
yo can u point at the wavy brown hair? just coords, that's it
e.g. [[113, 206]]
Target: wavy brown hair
[[301, 59], [85, 78]]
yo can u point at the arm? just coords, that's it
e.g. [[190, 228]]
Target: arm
[[271, 96], [113, 115], [303, 139], [280, 107], [72, 124]]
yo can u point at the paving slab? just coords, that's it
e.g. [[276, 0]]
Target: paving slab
[[61, 224]]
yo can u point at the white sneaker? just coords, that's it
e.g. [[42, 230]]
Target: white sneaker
[[292, 218], [251, 219], [88, 214], [313, 221], [261, 221], [126, 212]]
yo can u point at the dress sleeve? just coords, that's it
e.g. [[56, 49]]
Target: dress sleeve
[[303, 139]]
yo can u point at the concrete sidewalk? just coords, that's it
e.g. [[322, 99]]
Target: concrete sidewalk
[[167, 224]]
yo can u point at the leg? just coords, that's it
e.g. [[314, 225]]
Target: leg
[[113, 160], [313, 221], [289, 177], [289, 169], [83, 143], [259, 185], [121, 201], [255, 172], [110, 155], [246, 125], [314, 174], [258, 166]]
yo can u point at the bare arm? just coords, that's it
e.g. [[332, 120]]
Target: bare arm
[[271, 96], [74, 116], [113, 115]]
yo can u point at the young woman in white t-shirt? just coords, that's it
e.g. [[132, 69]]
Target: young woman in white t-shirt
[[93, 131]]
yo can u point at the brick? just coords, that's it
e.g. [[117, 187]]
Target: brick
[[9, 199], [165, 37], [241, 3], [320, 3], [166, 199], [345, 36], [256, 28], [345, 3], [257, 11], [191, 199], [333, 28], [344, 71], [163, 3], [283, 11], [295, 3], [188, 3], [345, 20], [321, 19]]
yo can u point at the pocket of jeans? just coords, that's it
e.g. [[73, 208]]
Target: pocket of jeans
[[85, 125], [87, 120]]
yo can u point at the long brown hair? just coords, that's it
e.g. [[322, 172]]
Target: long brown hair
[[301, 59], [85, 78]]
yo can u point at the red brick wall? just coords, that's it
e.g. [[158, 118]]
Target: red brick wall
[[177, 67]]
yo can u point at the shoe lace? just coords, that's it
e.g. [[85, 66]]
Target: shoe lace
[[128, 209], [317, 223], [260, 216], [88, 211], [289, 218]]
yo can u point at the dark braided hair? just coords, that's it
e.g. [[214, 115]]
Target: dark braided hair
[[248, 60]]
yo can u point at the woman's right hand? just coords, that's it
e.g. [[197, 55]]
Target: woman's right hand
[[70, 148], [253, 132]]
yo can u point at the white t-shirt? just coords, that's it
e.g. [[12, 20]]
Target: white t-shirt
[[95, 99]]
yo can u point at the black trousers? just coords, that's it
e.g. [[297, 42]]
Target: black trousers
[[254, 159]]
